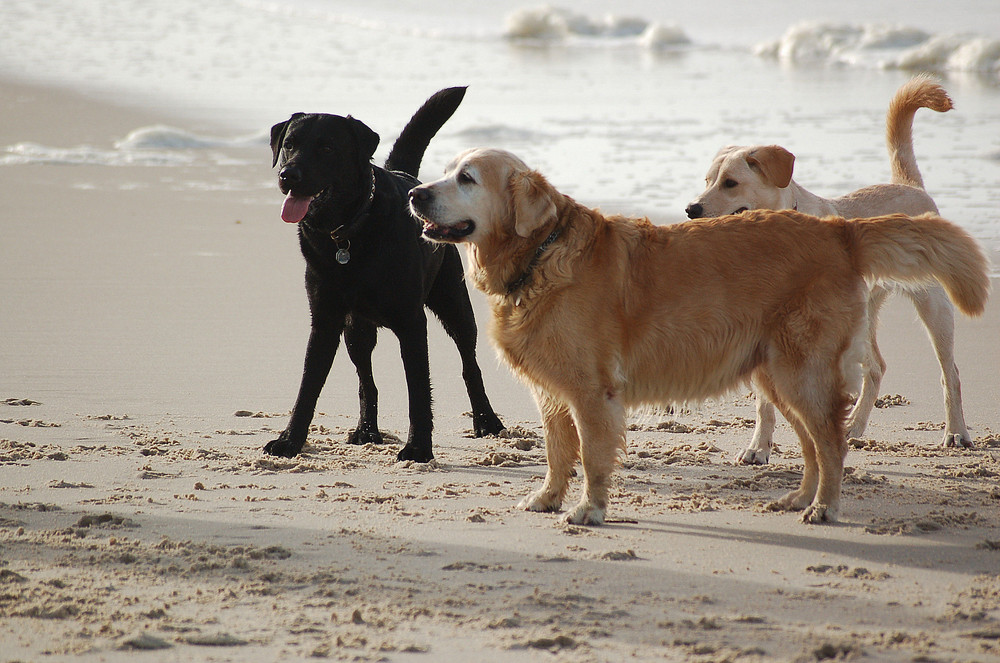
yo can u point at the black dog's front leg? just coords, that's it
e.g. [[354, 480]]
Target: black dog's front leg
[[360, 336], [324, 338], [416, 365]]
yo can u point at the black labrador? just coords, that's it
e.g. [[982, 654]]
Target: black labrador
[[367, 267]]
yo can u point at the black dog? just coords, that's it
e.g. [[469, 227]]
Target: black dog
[[367, 267]]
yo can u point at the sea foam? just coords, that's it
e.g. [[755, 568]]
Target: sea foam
[[551, 24], [162, 137], [884, 47], [156, 145]]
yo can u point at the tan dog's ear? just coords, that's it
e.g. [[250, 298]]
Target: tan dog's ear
[[531, 200], [775, 163]]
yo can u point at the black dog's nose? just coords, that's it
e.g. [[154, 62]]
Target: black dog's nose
[[695, 211], [290, 176]]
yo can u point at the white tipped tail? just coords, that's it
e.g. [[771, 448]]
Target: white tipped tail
[[921, 249]]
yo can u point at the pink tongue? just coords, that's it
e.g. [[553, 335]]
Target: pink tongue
[[294, 208]]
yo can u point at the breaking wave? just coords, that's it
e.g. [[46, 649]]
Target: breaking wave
[[883, 46], [147, 146], [551, 24]]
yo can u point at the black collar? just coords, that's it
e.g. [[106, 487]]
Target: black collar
[[519, 282], [343, 232]]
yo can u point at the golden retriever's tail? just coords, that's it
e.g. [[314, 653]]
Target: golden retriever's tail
[[919, 92], [920, 249]]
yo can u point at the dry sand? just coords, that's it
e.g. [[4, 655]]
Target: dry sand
[[152, 323]]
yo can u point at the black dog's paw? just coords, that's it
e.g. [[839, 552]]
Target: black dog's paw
[[364, 435], [487, 424], [415, 453], [284, 446]]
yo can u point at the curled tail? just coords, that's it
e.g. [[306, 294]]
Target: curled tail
[[919, 92], [920, 249], [408, 150]]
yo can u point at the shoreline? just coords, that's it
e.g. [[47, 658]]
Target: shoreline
[[145, 306]]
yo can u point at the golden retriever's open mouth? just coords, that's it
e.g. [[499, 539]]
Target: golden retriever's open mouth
[[451, 233]]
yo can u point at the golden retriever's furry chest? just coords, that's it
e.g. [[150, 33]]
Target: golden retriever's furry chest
[[526, 344]]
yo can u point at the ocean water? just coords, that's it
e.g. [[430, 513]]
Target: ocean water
[[622, 105]]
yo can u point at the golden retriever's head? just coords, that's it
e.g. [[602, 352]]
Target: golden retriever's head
[[484, 193], [745, 178]]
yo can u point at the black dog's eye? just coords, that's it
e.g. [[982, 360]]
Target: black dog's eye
[[729, 184], [465, 178]]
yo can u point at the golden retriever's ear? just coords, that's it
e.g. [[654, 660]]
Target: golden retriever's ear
[[775, 163], [531, 200]]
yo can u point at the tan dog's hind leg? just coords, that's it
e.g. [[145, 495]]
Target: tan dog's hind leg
[[874, 369], [759, 451], [600, 420], [562, 449], [938, 316]]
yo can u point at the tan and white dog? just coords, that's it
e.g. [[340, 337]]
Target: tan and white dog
[[599, 314], [760, 177]]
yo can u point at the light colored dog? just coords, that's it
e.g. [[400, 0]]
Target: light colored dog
[[600, 314], [760, 177]]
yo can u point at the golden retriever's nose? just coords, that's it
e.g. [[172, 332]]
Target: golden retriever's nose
[[694, 211], [419, 195]]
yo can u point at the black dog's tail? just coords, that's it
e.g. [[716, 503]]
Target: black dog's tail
[[408, 151]]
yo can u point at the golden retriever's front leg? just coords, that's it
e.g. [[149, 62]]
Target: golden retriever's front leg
[[562, 448], [601, 424], [803, 496], [817, 421]]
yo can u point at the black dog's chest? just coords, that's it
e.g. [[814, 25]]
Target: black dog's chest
[[379, 282]]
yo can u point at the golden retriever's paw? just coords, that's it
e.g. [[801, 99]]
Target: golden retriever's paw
[[585, 513], [819, 513], [752, 456], [540, 500]]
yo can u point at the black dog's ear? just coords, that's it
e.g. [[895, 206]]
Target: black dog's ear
[[367, 139], [278, 137]]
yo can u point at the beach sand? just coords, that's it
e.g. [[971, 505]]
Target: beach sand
[[153, 323]]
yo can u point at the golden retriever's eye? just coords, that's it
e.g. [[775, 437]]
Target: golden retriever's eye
[[465, 178], [730, 183]]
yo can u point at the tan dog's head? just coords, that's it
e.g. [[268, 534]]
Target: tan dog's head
[[484, 193], [745, 178]]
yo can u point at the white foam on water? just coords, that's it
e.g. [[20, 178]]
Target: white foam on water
[[162, 137], [32, 153], [156, 145], [883, 46], [555, 24]]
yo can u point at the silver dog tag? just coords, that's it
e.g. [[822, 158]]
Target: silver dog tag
[[343, 256]]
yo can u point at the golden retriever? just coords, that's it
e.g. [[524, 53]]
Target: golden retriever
[[602, 313], [760, 177]]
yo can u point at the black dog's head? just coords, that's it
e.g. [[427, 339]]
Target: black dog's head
[[323, 158]]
